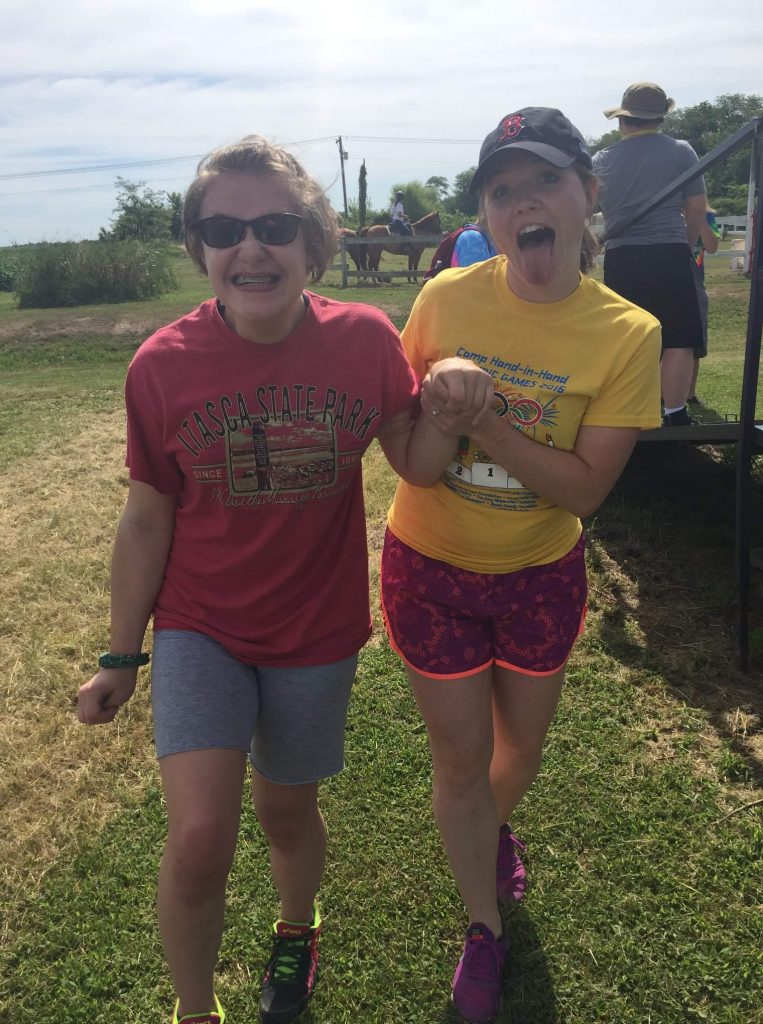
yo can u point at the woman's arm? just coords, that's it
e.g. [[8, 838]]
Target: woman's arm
[[417, 449], [578, 480], [695, 210], [708, 236], [138, 564]]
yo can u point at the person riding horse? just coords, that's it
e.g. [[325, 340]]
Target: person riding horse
[[385, 240], [399, 222]]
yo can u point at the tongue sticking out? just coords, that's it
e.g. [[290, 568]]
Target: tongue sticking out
[[536, 249]]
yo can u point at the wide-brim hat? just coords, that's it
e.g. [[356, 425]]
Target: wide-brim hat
[[544, 131], [644, 100]]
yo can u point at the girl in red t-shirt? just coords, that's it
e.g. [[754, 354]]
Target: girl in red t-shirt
[[244, 534]]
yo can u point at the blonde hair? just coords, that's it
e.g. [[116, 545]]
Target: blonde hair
[[589, 245], [255, 156]]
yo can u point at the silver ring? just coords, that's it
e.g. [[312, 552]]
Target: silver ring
[[436, 412]]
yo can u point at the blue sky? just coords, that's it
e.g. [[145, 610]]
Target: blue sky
[[86, 84]]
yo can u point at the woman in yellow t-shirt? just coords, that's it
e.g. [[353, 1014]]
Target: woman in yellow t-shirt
[[483, 574]]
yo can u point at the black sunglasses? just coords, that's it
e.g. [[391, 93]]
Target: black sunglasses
[[271, 229]]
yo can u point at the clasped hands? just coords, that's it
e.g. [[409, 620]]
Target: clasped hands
[[457, 395]]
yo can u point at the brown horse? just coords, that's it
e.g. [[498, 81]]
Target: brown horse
[[401, 244], [357, 252]]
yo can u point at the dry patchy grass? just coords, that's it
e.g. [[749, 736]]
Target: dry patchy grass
[[57, 522], [662, 604], [56, 531], [656, 625]]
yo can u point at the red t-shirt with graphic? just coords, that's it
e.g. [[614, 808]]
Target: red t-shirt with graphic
[[262, 445]]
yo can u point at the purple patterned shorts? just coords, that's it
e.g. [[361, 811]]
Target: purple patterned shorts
[[449, 622]]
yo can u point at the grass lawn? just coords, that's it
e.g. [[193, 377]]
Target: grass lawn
[[645, 829]]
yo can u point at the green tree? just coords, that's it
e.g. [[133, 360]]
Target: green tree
[[704, 126], [733, 201], [420, 199], [460, 203], [175, 205], [9, 263], [439, 184], [362, 195], [607, 139], [142, 214], [352, 220]]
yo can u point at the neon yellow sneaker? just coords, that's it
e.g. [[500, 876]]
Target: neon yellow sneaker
[[292, 970], [216, 1016]]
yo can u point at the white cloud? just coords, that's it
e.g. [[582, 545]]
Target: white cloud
[[89, 83]]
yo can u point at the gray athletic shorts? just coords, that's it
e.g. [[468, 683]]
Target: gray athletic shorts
[[290, 720]]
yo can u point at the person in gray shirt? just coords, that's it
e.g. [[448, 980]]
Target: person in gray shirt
[[649, 260]]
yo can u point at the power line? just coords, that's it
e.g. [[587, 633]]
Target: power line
[[135, 163], [95, 167], [383, 138], [110, 187], [91, 168]]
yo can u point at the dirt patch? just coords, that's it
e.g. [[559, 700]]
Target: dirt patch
[[59, 324]]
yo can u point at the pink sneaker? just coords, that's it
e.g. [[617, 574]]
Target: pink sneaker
[[478, 981], [511, 878]]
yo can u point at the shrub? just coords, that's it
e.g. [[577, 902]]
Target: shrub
[[143, 214], [8, 267], [91, 273]]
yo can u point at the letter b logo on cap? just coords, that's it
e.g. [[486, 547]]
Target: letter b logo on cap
[[511, 127]]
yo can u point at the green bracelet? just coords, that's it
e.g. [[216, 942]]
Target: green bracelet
[[122, 660]]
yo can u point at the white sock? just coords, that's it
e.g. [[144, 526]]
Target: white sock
[[678, 408]]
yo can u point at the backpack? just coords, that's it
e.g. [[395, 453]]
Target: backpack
[[443, 254]]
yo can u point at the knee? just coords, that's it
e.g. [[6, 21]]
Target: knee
[[199, 855], [284, 820], [460, 774], [518, 758]]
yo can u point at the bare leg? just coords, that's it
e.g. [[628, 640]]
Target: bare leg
[[203, 792], [693, 382], [458, 715], [523, 709], [676, 369], [294, 827]]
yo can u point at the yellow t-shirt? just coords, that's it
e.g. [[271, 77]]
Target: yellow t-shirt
[[591, 359]]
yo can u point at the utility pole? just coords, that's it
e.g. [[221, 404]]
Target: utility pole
[[342, 157], [362, 195]]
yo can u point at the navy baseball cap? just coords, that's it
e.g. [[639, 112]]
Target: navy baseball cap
[[544, 131]]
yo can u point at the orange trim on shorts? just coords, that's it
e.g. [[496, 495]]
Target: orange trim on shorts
[[474, 671], [529, 671], [438, 675], [415, 668]]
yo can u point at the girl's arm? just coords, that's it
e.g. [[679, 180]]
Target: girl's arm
[[138, 564], [578, 480], [695, 209], [417, 449], [709, 237]]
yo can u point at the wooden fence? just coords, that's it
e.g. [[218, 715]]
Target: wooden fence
[[430, 241], [736, 256]]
